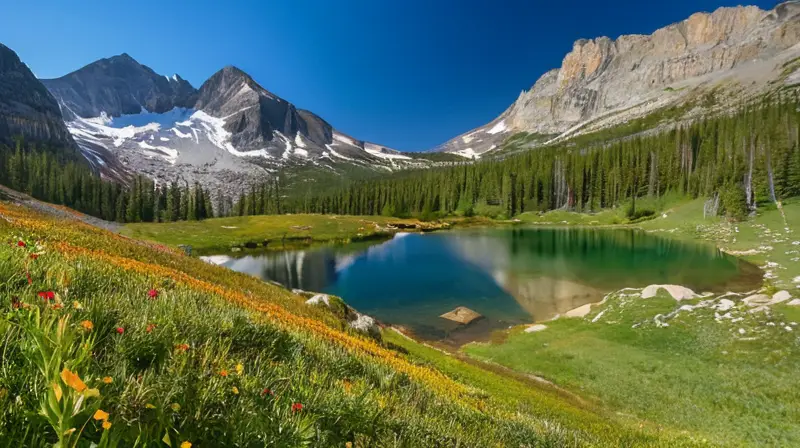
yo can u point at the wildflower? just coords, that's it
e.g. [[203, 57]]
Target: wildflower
[[267, 391], [186, 444], [223, 372], [239, 369], [87, 325], [348, 445], [235, 390], [15, 303], [297, 407], [72, 380], [77, 305], [120, 330], [20, 243], [47, 295], [108, 380], [150, 406], [57, 390], [152, 293], [57, 306], [181, 347], [100, 415], [150, 328], [106, 425], [175, 407], [33, 257]]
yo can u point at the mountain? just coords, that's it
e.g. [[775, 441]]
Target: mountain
[[732, 53], [26, 107], [229, 133], [119, 86]]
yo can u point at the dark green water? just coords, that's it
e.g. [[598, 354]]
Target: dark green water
[[511, 276]]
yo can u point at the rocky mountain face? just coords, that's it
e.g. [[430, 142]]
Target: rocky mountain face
[[229, 133], [118, 86], [26, 107], [603, 82]]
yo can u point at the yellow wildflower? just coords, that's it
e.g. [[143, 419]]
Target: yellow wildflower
[[100, 415], [186, 444], [72, 380], [175, 407], [106, 425], [57, 390], [239, 368], [77, 305], [149, 406], [235, 390], [108, 380]]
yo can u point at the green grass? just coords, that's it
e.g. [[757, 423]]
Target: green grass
[[697, 374], [275, 230]]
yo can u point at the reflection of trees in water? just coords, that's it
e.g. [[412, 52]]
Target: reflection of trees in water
[[550, 271], [309, 270]]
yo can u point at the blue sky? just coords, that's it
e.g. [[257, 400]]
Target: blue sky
[[406, 74]]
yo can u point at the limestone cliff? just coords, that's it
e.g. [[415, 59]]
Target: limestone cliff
[[607, 81]]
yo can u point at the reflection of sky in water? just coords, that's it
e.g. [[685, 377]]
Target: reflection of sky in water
[[511, 276]]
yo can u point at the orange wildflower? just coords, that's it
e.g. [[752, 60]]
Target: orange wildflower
[[108, 380], [100, 415], [72, 380], [223, 372], [87, 325], [106, 425]]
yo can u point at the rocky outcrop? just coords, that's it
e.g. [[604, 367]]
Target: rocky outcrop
[[117, 86], [637, 74], [26, 107]]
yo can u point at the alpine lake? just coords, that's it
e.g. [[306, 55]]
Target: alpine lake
[[510, 276]]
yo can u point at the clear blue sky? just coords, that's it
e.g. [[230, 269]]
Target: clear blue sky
[[408, 74]]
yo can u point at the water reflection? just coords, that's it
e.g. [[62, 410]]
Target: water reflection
[[511, 276]]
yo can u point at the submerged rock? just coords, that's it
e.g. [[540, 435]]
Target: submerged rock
[[676, 291], [462, 315]]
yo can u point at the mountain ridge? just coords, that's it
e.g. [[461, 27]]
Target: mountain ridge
[[636, 74]]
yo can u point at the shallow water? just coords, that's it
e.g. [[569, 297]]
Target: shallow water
[[510, 276]]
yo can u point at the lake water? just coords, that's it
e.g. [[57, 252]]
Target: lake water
[[510, 276]]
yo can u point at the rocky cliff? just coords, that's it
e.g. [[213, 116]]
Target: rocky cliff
[[26, 107], [609, 81], [117, 86]]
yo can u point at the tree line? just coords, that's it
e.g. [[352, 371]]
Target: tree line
[[62, 177], [744, 158]]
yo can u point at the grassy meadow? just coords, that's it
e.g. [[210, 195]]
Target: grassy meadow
[[730, 377], [109, 341]]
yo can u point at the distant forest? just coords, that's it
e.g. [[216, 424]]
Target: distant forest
[[744, 158]]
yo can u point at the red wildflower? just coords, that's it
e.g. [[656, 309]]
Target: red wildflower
[[152, 293], [182, 347], [267, 391], [47, 295], [150, 328], [223, 372], [34, 256], [297, 407], [20, 243], [120, 330]]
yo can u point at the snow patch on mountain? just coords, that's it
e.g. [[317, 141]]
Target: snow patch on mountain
[[498, 128]]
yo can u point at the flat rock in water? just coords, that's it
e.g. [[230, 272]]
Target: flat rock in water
[[535, 328], [462, 315], [677, 292], [580, 311], [757, 300]]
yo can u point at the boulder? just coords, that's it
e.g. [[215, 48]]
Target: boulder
[[757, 300], [794, 302], [724, 305], [366, 324], [779, 297], [319, 299], [676, 291], [580, 311], [535, 328], [462, 315]]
